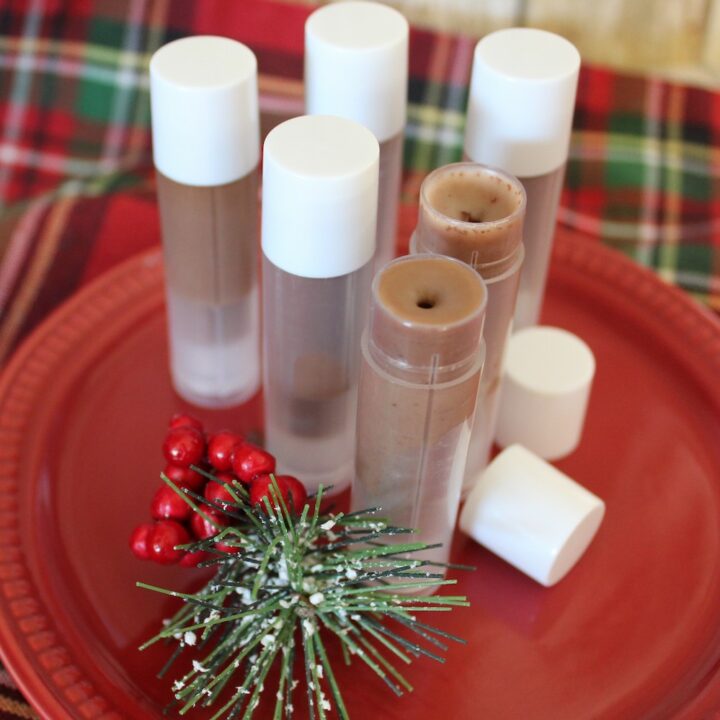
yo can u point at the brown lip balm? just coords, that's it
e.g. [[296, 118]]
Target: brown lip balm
[[472, 213], [425, 318], [475, 214], [422, 357]]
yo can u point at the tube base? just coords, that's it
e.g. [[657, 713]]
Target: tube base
[[214, 350], [314, 461]]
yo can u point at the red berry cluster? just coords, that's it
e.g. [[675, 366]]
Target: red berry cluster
[[230, 457]]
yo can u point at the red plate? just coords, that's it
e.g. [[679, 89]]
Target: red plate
[[633, 631]]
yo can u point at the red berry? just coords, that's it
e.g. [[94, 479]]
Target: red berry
[[249, 461], [168, 505], [184, 446], [184, 420], [162, 541], [185, 477], [204, 529], [220, 449], [139, 541], [217, 493], [193, 559], [260, 489], [297, 491]]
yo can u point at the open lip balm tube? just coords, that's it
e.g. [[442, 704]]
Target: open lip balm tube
[[532, 515], [206, 148], [519, 119], [475, 214], [320, 184], [356, 66], [421, 366]]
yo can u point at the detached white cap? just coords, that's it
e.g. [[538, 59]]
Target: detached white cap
[[522, 98], [545, 392], [531, 515], [356, 65], [204, 103], [320, 192]]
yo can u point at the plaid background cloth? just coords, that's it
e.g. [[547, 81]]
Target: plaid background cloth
[[76, 180]]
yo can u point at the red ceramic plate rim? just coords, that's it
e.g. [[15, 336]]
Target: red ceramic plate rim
[[55, 683], [30, 647]]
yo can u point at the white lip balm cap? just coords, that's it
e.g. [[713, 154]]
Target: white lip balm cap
[[522, 98], [546, 389], [531, 515], [356, 65], [204, 105], [320, 194]]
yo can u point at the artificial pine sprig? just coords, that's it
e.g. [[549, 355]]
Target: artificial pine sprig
[[279, 575]]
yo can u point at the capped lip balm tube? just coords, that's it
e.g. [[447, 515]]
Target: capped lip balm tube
[[475, 214], [206, 149], [356, 67], [422, 359], [320, 186], [519, 119]]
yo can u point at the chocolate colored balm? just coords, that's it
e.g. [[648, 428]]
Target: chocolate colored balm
[[422, 357], [206, 150], [475, 214]]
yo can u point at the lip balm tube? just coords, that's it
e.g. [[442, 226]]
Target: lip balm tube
[[519, 119], [206, 147], [422, 357], [320, 178], [356, 66], [475, 214]]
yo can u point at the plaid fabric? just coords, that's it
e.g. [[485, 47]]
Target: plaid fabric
[[644, 175], [76, 181]]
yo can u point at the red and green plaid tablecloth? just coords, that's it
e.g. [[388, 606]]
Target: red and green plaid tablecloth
[[76, 180]]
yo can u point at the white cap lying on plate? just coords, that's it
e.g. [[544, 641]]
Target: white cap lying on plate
[[531, 515]]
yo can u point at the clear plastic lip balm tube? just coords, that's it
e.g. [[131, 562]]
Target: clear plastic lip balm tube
[[422, 357], [206, 147], [320, 177], [475, 214], [520, 109], [356, 66]]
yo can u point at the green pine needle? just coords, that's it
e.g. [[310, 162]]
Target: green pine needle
[[337, 575]]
